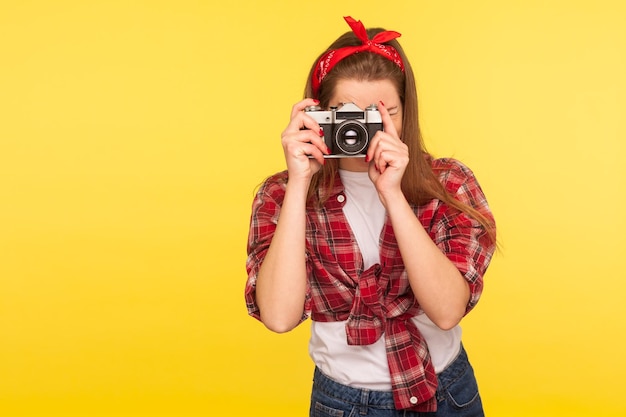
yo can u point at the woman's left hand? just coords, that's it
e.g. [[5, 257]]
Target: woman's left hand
[[388, 157]]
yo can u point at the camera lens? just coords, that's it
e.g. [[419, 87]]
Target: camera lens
[[351, 138]]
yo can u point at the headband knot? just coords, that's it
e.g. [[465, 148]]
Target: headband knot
[[376, 45]]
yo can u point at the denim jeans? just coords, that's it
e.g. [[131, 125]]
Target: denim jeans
[[457, 395]]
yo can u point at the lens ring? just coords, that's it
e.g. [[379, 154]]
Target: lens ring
[[351, 138]]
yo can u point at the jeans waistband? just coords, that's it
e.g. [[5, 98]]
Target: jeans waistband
[[350, 395], [383, 399]]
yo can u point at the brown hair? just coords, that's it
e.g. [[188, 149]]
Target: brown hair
[[420, 183]]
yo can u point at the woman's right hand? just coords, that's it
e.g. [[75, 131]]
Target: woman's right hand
[[302, 138], [281, 284]]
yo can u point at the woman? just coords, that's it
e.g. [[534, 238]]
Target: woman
[[385, 251]]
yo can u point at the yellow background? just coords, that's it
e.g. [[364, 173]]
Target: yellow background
[[133, 135]]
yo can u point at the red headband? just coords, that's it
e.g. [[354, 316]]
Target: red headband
[[328, 61]]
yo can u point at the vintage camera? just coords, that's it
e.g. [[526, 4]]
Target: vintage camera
[[347, 129]]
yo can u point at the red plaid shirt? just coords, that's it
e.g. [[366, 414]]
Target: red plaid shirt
[[377, 300]]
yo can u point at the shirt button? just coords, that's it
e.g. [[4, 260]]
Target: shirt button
[[413, 400], [341, 198]]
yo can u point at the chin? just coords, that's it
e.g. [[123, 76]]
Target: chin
[[354, 164]]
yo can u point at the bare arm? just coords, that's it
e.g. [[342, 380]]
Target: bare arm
[[441, 290], [439, 287], [281, 281]]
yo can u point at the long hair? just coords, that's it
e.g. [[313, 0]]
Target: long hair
[[420, 184]]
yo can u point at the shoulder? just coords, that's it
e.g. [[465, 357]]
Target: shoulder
[[459, 180], [274, 183], [452, 173], [273, 187]]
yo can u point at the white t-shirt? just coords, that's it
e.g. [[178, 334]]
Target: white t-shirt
[[366, 366]]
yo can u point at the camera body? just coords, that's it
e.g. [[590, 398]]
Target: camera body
[[348, 129]]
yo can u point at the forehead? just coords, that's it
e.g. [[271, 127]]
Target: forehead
[[363, 93]]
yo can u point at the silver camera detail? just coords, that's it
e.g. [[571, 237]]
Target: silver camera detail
[[347, 128]]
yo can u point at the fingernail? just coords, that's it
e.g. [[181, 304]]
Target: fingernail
[[367, 158], [382, 104], [321, 132], [316, 101]]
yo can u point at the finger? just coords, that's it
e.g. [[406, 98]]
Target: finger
[[388, 128], [374, 172], [387, 150], [307, 137], [306, 150], [303, 104], [378, 144], [388, 125], [317, 155], [381, 162], [301, 121]]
